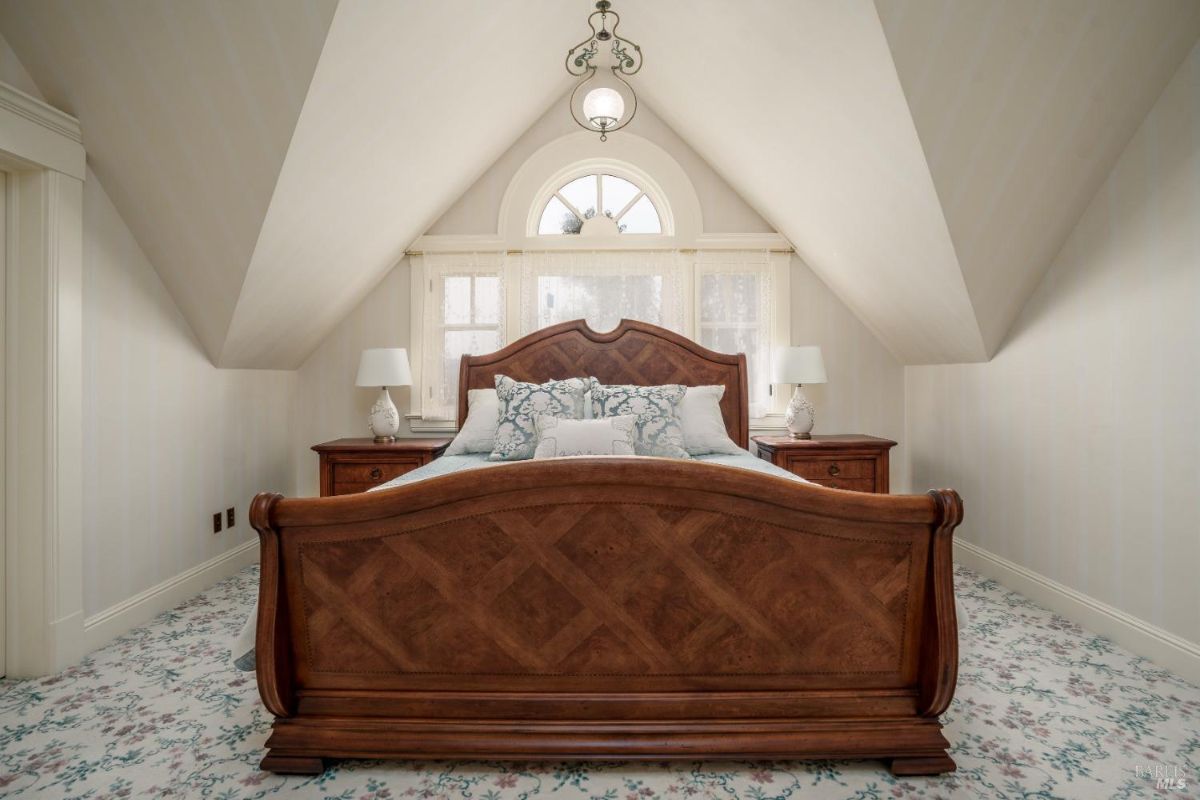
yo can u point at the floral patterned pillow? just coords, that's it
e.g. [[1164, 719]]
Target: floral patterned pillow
[[521, 403], [658, 430]]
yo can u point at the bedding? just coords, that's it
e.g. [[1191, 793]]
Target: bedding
[[658, 429], [516, 437], [699, 414], [478, 434], [611, 436]]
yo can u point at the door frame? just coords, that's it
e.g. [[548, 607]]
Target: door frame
[[41, 149]]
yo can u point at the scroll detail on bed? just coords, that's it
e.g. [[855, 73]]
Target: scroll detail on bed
[[614, 608]]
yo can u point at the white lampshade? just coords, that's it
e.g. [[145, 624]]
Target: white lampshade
[[384, 366], [603, 107], [798, 365]]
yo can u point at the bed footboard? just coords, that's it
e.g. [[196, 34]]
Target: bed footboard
[[606, 608]]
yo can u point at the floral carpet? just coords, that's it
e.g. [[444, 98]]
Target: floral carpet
[[1043, 710]]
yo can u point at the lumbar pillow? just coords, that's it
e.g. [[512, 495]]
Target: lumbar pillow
[[520, 403], [658, 431], [699, 414], [478, 433], [611, 436]]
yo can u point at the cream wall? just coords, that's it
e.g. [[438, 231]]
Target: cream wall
[[328, 404], [168, 438], [1077, 448]]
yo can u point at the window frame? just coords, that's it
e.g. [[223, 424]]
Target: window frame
[[599, 175], [598, 166], [510, 267]]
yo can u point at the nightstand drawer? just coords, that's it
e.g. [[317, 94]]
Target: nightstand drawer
[[372, 474], [862, 485], [842, 469]]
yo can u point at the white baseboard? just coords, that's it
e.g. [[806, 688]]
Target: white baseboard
[[100, 629], [1136, 635]]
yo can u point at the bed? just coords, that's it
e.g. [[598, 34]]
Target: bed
[[607, 608]]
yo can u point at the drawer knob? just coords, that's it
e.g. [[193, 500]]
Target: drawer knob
[[376, 474], [834, 470]]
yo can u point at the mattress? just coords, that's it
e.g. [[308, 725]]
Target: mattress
[[447, 465]]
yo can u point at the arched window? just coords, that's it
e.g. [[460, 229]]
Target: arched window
[[599, 204]]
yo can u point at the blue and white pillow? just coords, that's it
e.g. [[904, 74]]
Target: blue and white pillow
[[658, 429], [521, 403]]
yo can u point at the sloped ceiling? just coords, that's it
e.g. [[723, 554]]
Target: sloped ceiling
[[1023, 107], [927, 158], [410, 104], [798, 106], [187, 110]]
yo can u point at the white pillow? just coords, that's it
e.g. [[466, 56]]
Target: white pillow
[[478, 433], [611, 436], [699, 414]]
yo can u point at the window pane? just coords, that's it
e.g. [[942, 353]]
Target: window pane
[[456, 299], [730, 297], [603, 300], [487, 300], [750, 341], [557, 218], [456, 345], [642, 218], [617, 194], [581, 193]]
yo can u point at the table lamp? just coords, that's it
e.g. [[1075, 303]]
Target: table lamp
[[799, 365], [384, 367]]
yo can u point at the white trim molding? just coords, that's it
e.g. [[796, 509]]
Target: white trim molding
[[40, 136], [1143, 638], [44, 386], [100, 629]]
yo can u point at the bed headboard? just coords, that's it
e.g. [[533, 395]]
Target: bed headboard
[[634, 353]]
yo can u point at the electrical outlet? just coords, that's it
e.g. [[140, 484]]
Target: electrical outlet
[[229, 517], [217, 522]]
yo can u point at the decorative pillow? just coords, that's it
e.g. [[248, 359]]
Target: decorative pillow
[[611, 436], [516, 436], [699, 414], [478, 433], [658, 431]]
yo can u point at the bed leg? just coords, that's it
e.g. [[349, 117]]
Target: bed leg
[[923, 765], [283, 764]]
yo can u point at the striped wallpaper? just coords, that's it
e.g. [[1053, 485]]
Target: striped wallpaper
[[1077, 448], [168, 439]]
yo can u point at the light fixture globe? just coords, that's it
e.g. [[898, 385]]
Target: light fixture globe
[[603, 107]]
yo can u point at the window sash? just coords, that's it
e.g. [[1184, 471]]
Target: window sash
[[440, 363], [520, 310]]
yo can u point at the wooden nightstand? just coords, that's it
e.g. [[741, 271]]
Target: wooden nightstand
[[849, 461], [349, 466]]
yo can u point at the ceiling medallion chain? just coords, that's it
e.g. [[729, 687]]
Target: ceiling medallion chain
[[603, 105]]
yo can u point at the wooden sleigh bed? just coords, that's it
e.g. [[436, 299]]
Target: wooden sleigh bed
[[608, 608]]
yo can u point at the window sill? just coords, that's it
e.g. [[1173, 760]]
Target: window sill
[[418, 424]]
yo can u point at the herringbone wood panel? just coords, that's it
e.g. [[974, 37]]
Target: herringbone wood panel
[[576, 589]]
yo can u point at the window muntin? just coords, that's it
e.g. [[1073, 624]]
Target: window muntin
[[464, 315], [568, 210]]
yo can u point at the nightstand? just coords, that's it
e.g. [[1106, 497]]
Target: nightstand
[[848, 461], [349, 466]]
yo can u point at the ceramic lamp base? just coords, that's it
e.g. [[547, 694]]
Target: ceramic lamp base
[[800, 416], [384, 420]]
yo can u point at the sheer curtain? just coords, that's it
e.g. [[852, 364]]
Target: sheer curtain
[[602, 287], [464, 314], [735, 313]]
